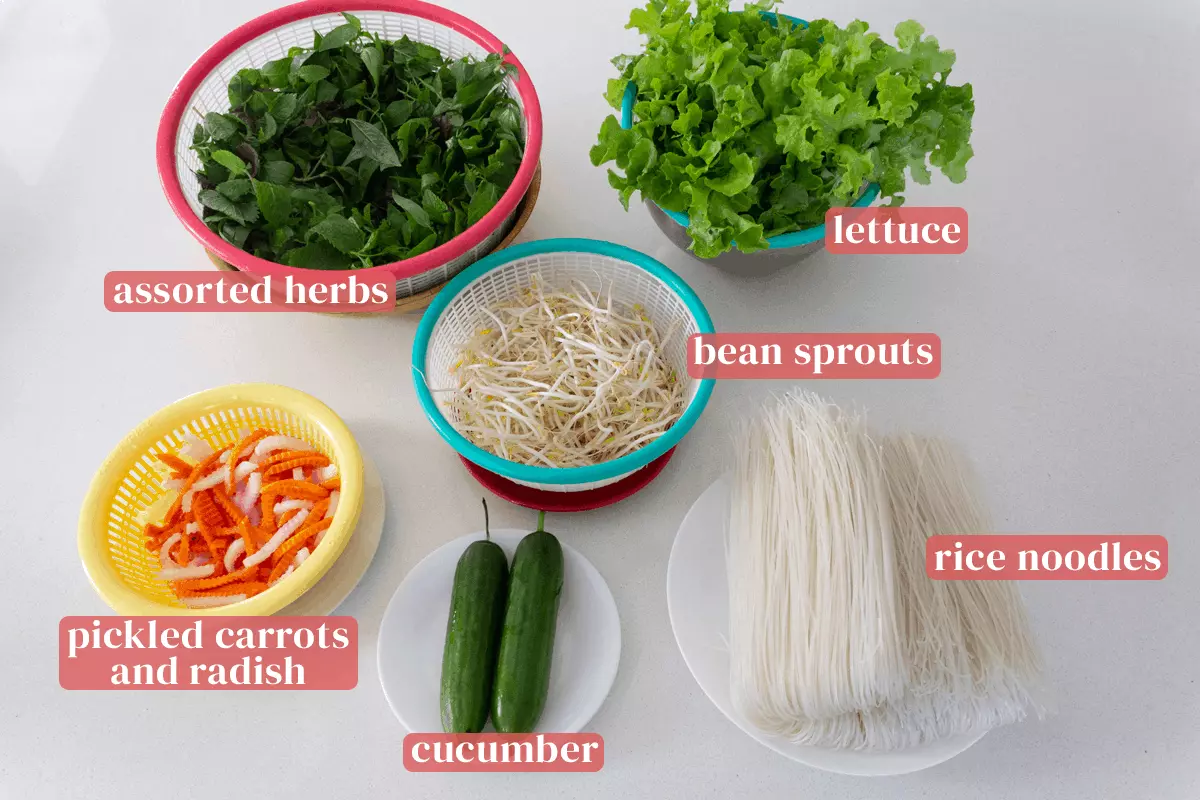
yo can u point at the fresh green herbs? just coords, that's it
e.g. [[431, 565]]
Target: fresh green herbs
[[755, 127], [357, 152]]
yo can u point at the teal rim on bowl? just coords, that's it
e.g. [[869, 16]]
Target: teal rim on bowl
[[793, 239], [529, 473]]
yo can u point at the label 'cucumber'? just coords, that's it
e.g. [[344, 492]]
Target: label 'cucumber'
[[527, 643]]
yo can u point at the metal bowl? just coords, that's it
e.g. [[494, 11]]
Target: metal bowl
[[763, 262]]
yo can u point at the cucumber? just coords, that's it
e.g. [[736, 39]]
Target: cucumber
[[527, 642], [473, 636]]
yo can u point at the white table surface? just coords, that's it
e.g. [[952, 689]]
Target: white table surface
[[1071, 335]]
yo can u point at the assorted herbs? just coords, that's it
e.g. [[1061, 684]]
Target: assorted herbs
[[357, 151], [755, 127]]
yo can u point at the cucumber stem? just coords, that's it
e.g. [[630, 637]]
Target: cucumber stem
[[487, 530], [541, 521]]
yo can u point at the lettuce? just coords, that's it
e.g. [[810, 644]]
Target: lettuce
[[755, 127]]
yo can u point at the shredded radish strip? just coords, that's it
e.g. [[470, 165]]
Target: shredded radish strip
[[565, 378], [173, 484], [333, 503], [247, 501], [214, 478], [244, 469], [194, 447], [279, 442], [301, 555], [326, 473], [235, 549], [291, 505], [164, 555], [185, 573], [275, 541], [298, 474]]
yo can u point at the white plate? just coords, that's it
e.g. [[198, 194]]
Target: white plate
[[587, 640], [698, 602], [337, 584]]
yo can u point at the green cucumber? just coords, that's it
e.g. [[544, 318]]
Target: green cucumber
[[527, 643], [473, 635]]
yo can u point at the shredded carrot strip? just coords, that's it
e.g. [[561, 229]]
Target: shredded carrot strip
[[311, 528], [300, 490], [207, 534], [248, 588], [175, 463], [243, 529], [207, 510], [183, 554], [332, 485], [285, 455], [314, 460], [198, 584], [232, 512], [318, 511]]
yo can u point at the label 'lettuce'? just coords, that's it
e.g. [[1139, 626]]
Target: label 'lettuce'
[[755, 127]]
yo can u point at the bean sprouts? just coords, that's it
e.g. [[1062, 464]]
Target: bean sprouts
[[565, 378]]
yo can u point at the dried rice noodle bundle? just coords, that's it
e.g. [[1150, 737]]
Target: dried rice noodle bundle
[[838, 638], [973, 661], [813, 617]]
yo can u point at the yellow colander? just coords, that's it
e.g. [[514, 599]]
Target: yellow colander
[[128, 492]]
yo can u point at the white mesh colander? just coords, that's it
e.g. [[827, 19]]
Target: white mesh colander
[[632, 277], [204, 89]]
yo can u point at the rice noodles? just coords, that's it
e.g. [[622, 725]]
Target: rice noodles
[[810, 661], [565, 378], [813, 618]]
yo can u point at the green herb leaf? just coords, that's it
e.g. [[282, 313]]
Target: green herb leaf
[[276, 73], [230, 162], [221, 127], [311, 73], [485, 198], [235, 189], [340, 36], [318, 255], [278, 172], [274, 201], [373, 143], [340, 232], [372, 58], [415, 211]]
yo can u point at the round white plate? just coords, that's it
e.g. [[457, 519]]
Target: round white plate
[[698, 602], [587, 640], [337, 584]]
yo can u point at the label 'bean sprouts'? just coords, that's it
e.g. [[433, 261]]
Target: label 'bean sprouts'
[[565, 378]]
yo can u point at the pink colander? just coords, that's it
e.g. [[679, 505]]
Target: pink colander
[[203, 89]]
